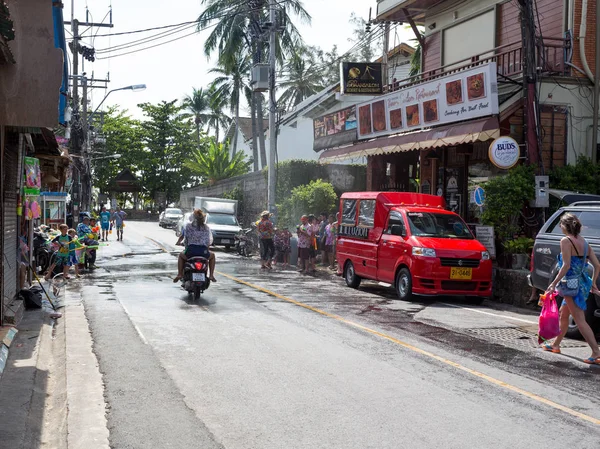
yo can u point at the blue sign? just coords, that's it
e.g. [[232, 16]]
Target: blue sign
[[479, 196]]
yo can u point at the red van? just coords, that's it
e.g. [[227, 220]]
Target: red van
[[411, 241]]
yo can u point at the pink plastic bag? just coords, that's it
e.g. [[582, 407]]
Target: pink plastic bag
[[549, 324]]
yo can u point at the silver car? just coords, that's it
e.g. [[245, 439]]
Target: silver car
[[170, 217]]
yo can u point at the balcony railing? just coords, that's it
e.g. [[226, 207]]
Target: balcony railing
[[552, 60]]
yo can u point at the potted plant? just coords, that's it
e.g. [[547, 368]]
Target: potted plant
[[519, 250]]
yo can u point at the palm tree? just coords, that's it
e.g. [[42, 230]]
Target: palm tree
[[229, 85], [237, 21], [302, 79], [198, 104], [218, 119], [215, 163]]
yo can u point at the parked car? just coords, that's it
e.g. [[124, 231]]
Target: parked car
[[185, 219], [544, 262], [169, 217], [412, 242]]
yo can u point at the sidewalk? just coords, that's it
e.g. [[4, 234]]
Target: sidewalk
[[51, 391]]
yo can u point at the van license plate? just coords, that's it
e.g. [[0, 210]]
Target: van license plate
[[198, 277], [461, 273], [224, 241]]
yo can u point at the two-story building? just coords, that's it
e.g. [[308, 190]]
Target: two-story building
[[33, 96], [489, 68]]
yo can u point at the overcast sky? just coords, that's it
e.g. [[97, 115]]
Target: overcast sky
[[170, 71]]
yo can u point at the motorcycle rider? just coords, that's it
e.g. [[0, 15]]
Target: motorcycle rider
[[84, 232], [197, 237]]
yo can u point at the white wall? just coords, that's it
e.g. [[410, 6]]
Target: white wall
[[296, 142], [443, 15], [579, 120], [245, 147]]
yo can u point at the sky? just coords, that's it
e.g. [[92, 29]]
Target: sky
[[171, 71]]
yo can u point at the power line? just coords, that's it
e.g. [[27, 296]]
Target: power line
[[145, 40]]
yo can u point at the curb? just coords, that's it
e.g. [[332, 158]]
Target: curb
[[8, 335]]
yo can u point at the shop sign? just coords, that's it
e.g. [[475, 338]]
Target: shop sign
[[335, 129], [360, 78], [465, 95], [485, 234], [504, 152], [354, 231]]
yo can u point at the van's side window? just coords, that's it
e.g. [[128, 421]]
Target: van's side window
[[395, 219], [367, 213], [349, 212]]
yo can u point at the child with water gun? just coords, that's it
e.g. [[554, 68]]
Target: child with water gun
[[75, 245]]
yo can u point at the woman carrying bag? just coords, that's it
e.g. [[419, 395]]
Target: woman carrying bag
[[574, 284]]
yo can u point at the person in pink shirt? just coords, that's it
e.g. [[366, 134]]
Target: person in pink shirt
[[329, 253]]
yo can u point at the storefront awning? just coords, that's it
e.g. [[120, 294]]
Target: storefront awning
[[444, 136]]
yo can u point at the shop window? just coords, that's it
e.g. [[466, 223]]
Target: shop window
[[349, 212], [367, 213]]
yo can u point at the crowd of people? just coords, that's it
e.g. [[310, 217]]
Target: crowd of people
[[77, 247], [316, 240]]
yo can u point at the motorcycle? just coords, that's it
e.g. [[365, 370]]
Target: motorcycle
[[195, 276], [244, 243]]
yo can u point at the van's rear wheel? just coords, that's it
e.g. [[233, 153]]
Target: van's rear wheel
[[404, 284], [352, 279]]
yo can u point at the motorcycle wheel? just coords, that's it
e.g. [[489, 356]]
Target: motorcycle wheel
[[197, 293], [43, 260]]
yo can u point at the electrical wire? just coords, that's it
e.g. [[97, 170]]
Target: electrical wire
[[145, 40]]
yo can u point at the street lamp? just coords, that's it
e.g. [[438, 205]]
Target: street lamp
[[133, 88]]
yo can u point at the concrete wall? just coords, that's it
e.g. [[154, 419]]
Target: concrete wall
[[254, 187], [30, 89]]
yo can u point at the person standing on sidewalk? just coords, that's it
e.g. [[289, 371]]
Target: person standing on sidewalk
[[104, 223], [119, 220], [304, 242], [266, 231], [574, 284]]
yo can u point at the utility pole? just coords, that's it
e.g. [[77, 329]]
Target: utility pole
[[386, 49], [529, 82], [596, 90], [272, 109]]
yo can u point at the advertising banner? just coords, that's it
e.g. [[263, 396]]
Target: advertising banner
[[335, 129], [461, 96], [361, 78]]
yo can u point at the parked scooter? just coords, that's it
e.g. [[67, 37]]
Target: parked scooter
[[244, 242], [195, 276]]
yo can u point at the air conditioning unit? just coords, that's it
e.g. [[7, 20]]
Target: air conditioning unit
[[259, 78]]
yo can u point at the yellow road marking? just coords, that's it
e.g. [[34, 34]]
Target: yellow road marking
[[160, 245], [413, 348]]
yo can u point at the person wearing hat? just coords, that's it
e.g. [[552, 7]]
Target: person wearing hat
[[266, 231]]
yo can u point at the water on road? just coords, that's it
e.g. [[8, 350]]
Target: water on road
[[280, 360]]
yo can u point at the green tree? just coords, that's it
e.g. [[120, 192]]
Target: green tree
[[214, 162], [302, 77], [122, 135], [368, 46], [229, 85], [217, 119], [314, 197], [505, 197], [168, 137], [583, 176], [199, 105]]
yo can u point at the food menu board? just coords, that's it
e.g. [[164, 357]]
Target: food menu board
[[461, 96]]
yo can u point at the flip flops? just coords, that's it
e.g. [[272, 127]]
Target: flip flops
[[592, 361], [549, 348]]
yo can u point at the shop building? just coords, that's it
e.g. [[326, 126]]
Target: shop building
[[33, 87], [432, 133]]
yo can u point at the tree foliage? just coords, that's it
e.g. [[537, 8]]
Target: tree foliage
[[302, 77], [505, 197], [168, 137], [583, 176], [214, 162], [122, 135], [315, 197]]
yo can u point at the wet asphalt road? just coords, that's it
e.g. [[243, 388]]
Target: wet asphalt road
[[319, 365]]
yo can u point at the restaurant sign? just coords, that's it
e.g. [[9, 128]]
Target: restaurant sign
[[361, 78], [461, 96], [335, 129]]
